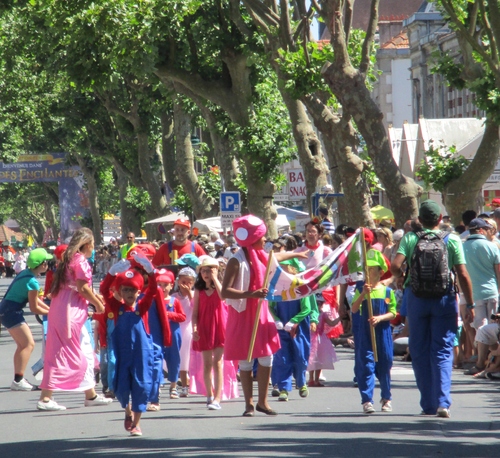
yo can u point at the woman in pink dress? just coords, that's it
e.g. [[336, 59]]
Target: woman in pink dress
[[242, 288], [69, 357]]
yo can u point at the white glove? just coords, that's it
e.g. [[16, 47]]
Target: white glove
[[279, 325], [289, 326], [144, 262], [121, 266]]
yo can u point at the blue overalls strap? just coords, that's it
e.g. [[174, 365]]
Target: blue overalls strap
[[192, 247]]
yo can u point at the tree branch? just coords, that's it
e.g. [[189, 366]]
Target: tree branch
[[493, 28], [370, 35]]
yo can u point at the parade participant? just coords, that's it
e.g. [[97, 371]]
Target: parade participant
[[171, 251], [132, 343], [124, 249], [433, 320], [175, 316], [185, 283], [384, 309], [242, 288], [209, 328], [292, 322], [69, 356], [24, 290]]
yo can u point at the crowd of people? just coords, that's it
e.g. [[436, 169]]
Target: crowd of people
[[190, 314]]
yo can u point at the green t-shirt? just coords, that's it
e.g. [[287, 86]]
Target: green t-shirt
[[23, 283], [454, 246], [380, 292]]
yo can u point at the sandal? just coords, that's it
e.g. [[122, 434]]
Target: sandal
[[174, 394], [481, 374], [153, 407]]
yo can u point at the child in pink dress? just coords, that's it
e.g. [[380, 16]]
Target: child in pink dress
[[323, 354], [209, 330]]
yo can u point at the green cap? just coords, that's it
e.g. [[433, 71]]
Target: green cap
[[429, 210], [37, 256], [294, 262], [374, 258]]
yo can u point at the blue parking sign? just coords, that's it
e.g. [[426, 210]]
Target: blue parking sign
[[230, 202]]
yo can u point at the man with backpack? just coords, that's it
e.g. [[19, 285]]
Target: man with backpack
[[435, 259]]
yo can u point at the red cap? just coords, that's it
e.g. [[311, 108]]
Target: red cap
[[59, 251], [495, 202], [368, 236], [145, 249], [164, 276], [183, 222], [130, 278]]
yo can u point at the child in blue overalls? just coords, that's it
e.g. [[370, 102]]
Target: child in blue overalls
[[292, 321], [132, 343], [175, 315], [384, 310]]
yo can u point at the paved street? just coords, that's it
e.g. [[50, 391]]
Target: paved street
[[327, 423]]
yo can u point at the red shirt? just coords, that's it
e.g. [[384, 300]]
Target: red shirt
[[162, 256]]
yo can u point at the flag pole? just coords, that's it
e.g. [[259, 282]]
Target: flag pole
[[259, 307], [368, 297]]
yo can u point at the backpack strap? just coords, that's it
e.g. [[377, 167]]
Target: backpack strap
[[192, 247]]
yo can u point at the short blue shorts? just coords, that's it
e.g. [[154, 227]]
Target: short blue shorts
[[12, 319]]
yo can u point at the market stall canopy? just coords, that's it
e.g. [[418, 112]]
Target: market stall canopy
[[167, 219], [213, 224]]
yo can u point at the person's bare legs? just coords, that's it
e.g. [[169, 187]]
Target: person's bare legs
[[246, 379], [136, 418], [482, 355], [218, 373], [207, 371], [25, 345], [184, 378], [263, 377]]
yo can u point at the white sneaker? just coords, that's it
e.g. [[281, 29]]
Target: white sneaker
[[368, 407], [443, 412], [49, 405], [214, 406], [386, 405], [98, 401], [184, 392], [23, 385]]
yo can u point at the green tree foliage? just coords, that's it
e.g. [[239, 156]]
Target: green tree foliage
[[441, 166]]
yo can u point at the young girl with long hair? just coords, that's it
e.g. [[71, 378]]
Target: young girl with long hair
[[69, 356], [209, 327]]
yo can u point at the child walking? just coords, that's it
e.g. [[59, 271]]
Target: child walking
[[209, 328], [132, 342], [175, 316], [292, 322], [384, 310], [185, 293], [323, 355]]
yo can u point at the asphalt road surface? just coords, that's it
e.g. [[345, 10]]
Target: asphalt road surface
[[329, 423]]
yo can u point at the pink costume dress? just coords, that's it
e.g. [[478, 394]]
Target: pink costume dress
[[69, 357], [241, 318], [212, 317], [322, 355]]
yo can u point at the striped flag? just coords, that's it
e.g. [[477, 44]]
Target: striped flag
[[344, 265]]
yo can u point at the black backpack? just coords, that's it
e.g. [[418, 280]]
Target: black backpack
[[429, 272]]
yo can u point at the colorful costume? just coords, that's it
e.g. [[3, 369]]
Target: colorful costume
[[383, 301], [69, 356], [133, 346], [292, 357], [171, 354]]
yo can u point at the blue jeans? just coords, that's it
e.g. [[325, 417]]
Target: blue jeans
[[433, 327]]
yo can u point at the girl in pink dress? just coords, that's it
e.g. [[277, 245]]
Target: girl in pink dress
[[69, 357], [209, 327]]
